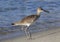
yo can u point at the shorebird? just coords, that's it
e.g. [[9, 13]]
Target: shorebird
[[29, 20]]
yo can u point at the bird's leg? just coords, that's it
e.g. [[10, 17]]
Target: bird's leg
[[27, 32]]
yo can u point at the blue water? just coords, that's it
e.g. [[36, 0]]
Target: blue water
[[14, 10]]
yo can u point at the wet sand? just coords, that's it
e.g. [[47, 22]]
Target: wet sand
[[52, 35]]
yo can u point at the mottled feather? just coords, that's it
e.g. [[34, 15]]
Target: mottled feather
[[29, 19]]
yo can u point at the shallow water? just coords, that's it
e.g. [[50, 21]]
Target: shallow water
[[13, 10]]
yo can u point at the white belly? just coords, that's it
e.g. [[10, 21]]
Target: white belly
[[26, 24]]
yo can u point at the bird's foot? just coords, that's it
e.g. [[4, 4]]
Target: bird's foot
[[30, 39]]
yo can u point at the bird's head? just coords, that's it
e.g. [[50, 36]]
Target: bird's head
[[39, 10]]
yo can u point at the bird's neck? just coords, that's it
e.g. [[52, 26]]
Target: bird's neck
[[38, 13]]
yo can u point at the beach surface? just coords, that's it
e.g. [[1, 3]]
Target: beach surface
[[52, 35]]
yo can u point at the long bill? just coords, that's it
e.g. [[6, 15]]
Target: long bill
[[45, 11]]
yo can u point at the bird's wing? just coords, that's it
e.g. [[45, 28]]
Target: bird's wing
[[29, 19]]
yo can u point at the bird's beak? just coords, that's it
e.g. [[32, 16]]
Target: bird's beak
[[45, 11]]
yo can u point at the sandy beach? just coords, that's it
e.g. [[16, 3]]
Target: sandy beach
[[52, 35]]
